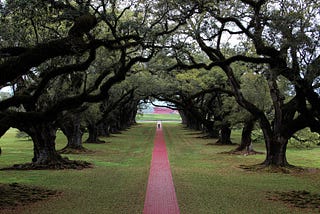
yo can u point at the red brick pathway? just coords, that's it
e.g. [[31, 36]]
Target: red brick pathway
[[161, 196]]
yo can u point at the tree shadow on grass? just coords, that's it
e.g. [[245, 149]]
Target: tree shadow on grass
[[301, 199], [309, 202], [289, 169], [81, 150], [15, 196], [242, 152], [61, 164]]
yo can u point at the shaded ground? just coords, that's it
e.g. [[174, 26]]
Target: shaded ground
[[64, 163], [15, 195], [82, 150], [301, 199], [116, 183], [217, 143], [294, 170], [242, 152]]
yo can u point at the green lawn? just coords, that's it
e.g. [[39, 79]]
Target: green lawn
[[209, 182], [159, 117], [116, 184], [205, 181]]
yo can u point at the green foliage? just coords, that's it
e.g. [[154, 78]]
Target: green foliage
[[255, 90], [27, 23], [92, 113], [305, 139]]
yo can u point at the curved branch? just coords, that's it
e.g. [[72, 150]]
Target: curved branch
[[46, 77], [226, 62], [28, 58]]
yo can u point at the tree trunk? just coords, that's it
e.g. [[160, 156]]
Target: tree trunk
[[45, 156], [43, 136], [115, 127], [211, 130], [72, 130], [190, 120], [246, 141], [225, 135], [103, 130], [93, 134], [183, 117], [276, 154], [75, 139]]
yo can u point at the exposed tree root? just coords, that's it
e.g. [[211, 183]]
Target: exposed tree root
[[63, 163], [116, 132], [96, 142], [15, 195], [207, 137], [70, 150], [301, 199], [243, 152], [228, 142], [273, 168], [220, 144]]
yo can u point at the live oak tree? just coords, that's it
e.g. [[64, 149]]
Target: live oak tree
[[202, 97], [255, 89], [119, 111], [33, 96], [73, 122], [284, 39], [40, 41], [102, 119], [131, 41], [199, 97]]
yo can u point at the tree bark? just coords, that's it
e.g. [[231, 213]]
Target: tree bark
[[211, 130], [276, 155], [73, 131], [43, 136], [225, 135], [45, 156], [183, 117], [246, 141], [93, 134], [103, 130]]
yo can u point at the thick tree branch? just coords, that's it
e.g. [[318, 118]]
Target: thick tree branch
[[225, 62], [28, 58], [46, 77]]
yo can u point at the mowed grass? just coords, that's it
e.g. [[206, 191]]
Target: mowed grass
[[205, 181], [116, 184], [209, 182], [160, 117]]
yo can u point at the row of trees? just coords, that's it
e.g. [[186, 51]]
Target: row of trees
[[63, 55], [278, 41], [65, 61]]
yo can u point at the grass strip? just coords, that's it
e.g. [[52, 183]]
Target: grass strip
[[209, 182], [116, 184]]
